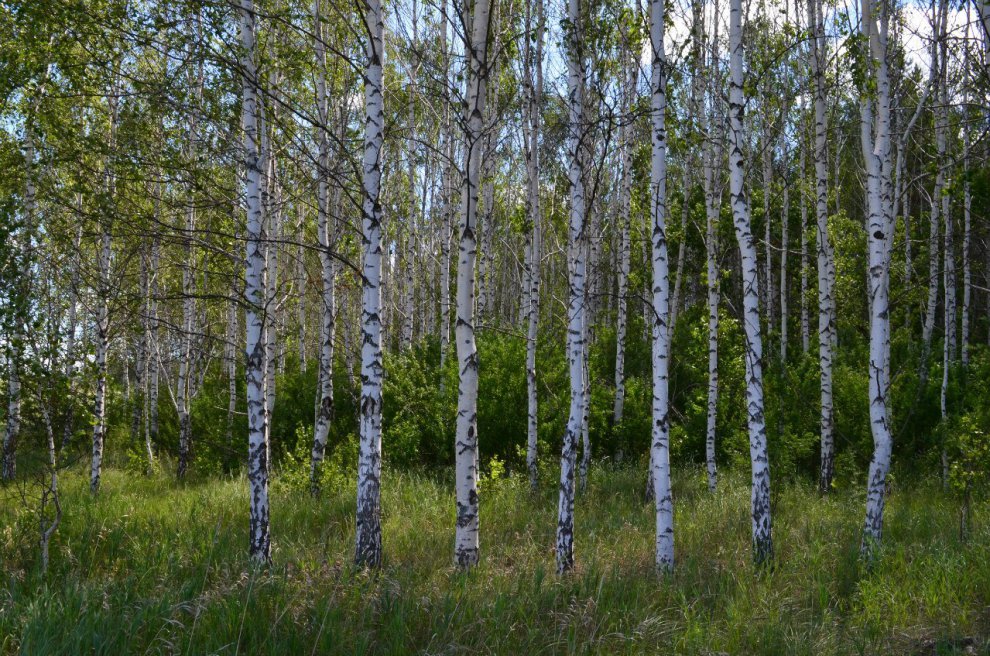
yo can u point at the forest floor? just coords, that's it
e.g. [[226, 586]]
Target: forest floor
[[153, 566]]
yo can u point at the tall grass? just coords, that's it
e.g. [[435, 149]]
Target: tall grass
[[152, 566]]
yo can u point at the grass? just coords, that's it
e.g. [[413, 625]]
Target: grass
[[152, 566]]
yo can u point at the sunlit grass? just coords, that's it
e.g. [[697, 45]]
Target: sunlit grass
[[152, 566]]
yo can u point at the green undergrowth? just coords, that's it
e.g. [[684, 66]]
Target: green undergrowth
[[153, 566]]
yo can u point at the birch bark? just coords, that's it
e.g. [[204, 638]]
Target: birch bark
[[466, 542], [103, 303], [875, 138], [577, 271], [368, 547], [660, 447], [760, 497], [826, 298], [259, 535], [533, 90], [625, 199], [327, 238]]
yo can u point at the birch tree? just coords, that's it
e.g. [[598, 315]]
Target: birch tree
[[533, 86], [20, 294], [254, 294], [326, 236], [660, 447], [577, 272], [760, 463], [466, 542], [368, 549], [826, 298], [874, 106], [712, 131], [103, 294], [630, 71], [182, 393]]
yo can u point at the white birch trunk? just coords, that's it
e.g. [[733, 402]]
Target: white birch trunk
[[875, 137], [446, 217], [767, 161], [949, 270], [368, 541], [760, 497], [805, 320], [967, 237], [577, 271], [784, 245], [534, 87], [327, 238], [466, 542], [826, 298], [934, 255], [625, 199], [711, 155], [300, 281], [16, 337], [188, 302], [154, 364], [660, 444], [230, 364], [70, 338], [254, 295], [103, 310]]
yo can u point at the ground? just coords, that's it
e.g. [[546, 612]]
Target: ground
[[154, 566]]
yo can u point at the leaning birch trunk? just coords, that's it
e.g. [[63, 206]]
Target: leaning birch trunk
[[826, 339], [328, 308], [254, 296], [875, 137], [624, 247], [760, 496], [466, 542], [368, 539], [577, 282], [660, 446], [533, 87]]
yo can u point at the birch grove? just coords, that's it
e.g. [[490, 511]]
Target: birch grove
[[404, 200]]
